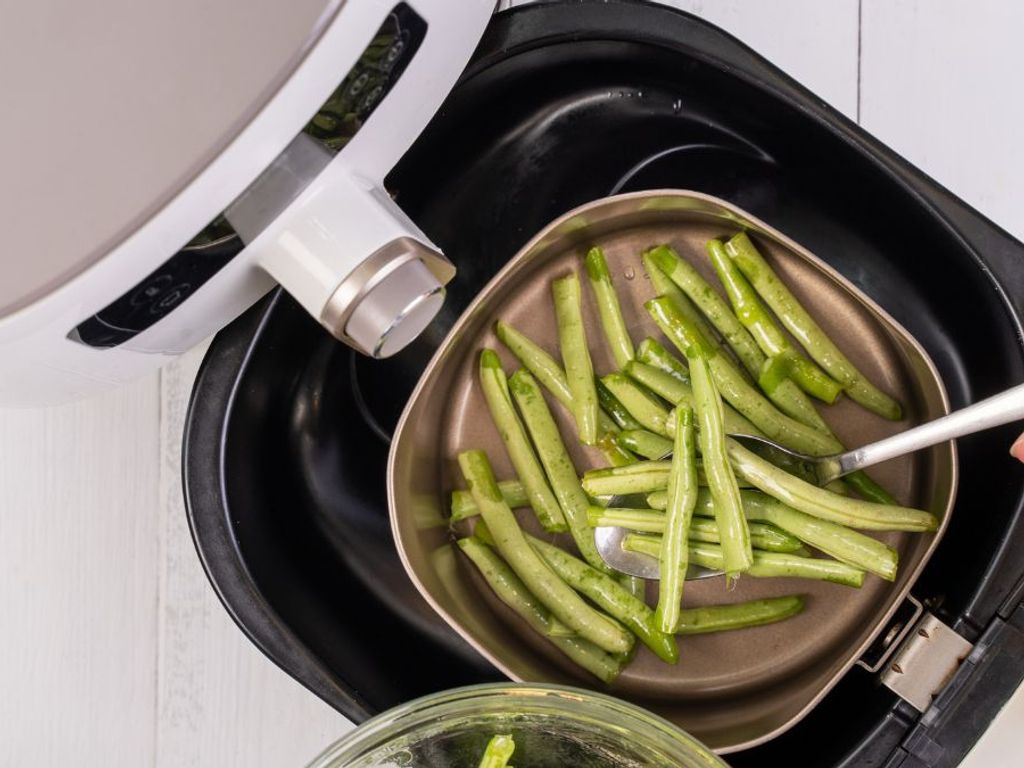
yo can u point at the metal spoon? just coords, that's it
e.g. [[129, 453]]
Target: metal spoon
[[994, 411]]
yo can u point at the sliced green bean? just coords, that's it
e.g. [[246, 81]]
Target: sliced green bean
[[642, 477], [840, 542], [667, 386], [799, 323], [579, 370], [765, 565], [560, 470], [512, 491], [732, 524], [682, 496], [644, 443], [753, 613], [498, 752], [636, 586], [537, 361], [794, 402], [555, 594], [655, 500], [608, 308], [545, 369], [664, 286], [513, 435], [511, 590], [611, 597], [645, 408], [743, 397], [755, 317], [818, 502], [862, 483], [651, 353], [711, 305], [763, 536], [611, 405], [617, 455], [639, 477], [549, 373]]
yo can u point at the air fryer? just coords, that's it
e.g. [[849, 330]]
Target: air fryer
[[288, 431]]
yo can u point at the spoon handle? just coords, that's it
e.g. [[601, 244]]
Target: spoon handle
[[993, 412]]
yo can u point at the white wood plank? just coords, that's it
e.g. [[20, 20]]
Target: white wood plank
[[221, 702], [78, 548], [1000, 746], [940, 83], [812, 41]]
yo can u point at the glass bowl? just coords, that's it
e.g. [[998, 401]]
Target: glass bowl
[[553, 727]]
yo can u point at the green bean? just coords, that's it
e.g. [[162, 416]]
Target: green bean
[[611, 597], [560, 470], [799, 323], [512, 491], [642, 477], [651, 353], [644, 443], [616, 454], [558, 629], [712, 305], [513, 435], [838, 541], [511, 590], [862, 483], [645, 408], [545, 369], [732, 524], [537, 361], [655, 500], [555, 594], [794, 402], [682, 495], [763, 536], [663, 286], [639, 477], [753, 613], [665, 385], [611, 405], [579, 370], [845, 544], [498, 752], [744, 398], [608, 307], [766, 565], [819, 502], [755, 317], [636, 586]]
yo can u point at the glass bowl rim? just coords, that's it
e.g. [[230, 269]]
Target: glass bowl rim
[[375, 732]]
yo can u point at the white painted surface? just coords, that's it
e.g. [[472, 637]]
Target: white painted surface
[[116, 653]]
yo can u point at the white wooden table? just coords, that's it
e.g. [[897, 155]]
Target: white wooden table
[[115, 651]]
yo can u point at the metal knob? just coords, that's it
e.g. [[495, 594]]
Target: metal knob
[[396, 310]]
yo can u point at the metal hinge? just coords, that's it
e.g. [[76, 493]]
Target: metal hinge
[[925, 661]]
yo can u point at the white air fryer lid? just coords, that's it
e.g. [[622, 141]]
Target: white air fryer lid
[[112, 107]]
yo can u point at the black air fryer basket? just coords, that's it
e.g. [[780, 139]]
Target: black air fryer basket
[[288, 431]]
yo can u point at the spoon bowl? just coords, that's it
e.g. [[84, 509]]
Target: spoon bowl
[[609, 539]]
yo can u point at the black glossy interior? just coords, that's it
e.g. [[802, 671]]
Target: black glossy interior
[[296, 538]]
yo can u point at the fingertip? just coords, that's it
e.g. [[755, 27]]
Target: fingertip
[[1017, 449]]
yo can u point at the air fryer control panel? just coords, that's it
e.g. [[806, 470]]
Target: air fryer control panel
[[339, 119]]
